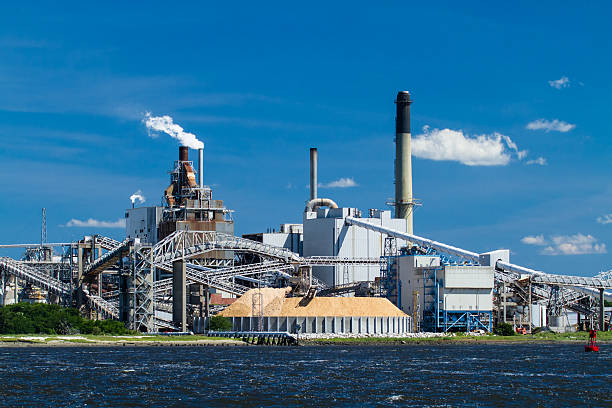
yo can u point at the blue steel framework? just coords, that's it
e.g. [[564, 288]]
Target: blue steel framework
[[435, 317], [445, 320]]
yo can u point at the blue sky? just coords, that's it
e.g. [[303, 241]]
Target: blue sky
[[261, 84]]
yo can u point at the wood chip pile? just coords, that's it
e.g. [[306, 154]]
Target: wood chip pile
[[275, 303]]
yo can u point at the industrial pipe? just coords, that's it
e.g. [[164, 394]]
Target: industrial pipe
[[313, 173], [320, 202], [448, 249], [183, 153], [201, 167], [403, 161]]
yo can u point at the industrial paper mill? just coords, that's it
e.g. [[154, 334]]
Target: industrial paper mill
[[343, 270]]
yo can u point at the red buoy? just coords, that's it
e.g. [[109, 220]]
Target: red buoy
[[592, 344]]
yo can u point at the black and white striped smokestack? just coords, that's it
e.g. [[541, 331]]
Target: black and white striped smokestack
[[403, 160]]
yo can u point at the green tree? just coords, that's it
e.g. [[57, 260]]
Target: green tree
[[219, 323], [504, 329], [29, 318]]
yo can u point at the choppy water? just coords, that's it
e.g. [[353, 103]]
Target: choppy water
[[441, 375]]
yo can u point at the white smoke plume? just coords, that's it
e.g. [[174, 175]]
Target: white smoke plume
[[137, 196], [166, 125]]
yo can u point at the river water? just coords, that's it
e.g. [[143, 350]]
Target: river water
[[481, 375]]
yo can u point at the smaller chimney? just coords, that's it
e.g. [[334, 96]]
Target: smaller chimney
[[183, 153], [313, 173], [201, 166]]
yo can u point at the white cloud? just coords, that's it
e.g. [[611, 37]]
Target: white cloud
[[343, 182], [577, 244], [562, 82], [453, 145], [120, 223], [550, 125], [534, 240], [541, 161], [605, 219]]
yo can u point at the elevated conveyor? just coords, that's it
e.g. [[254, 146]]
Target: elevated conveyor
[[106, 260], [582, 284], [34, 276], [191, 244]]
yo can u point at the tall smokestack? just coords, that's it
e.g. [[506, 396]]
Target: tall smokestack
[[183, 153], [201, 166], [313, 173], [403, 160]]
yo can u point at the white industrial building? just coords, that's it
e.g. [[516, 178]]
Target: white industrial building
[[290, 236], [443, 297], [142, 222], [326, 234]]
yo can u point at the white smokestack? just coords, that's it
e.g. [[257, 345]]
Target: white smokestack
[[166, 124], [137, 196], [201, 166]]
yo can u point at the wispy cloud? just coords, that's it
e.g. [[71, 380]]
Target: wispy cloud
[[540, 161], [562, 82], [15, 43], [605, 219], [534, 240], [453, 145], [343, 182], [577, 244], [93, 223], [550, 125]]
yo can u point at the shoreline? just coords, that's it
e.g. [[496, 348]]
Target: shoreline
[[115, 341], [436, 342], [203, 341]]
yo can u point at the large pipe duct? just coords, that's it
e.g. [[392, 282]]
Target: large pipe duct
[[320, 202], [201, 167], [313, 173], [316, 202], [403, 160]]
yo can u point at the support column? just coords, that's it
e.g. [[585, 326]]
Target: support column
[[124, 299], [601, 309], [530, 317], [505, 301], [179, 296], [207, 301], [80, 297]]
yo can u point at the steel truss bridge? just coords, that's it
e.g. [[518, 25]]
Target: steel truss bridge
[[148, 297]]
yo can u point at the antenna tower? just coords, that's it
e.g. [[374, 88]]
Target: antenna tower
[[43, 228]]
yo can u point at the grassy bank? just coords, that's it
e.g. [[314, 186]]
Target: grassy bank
[[579, 337]]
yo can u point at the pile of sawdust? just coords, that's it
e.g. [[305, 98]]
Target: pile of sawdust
[[341, 306], [276, 304], [271, 300]]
